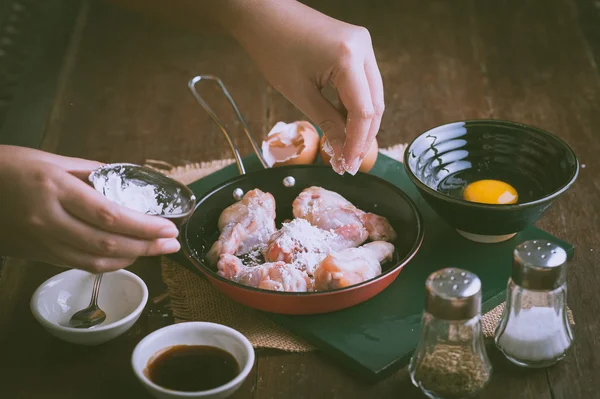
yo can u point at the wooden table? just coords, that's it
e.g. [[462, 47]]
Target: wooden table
[[122, 96]]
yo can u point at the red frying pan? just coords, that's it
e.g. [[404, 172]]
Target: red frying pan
[[367, 192]]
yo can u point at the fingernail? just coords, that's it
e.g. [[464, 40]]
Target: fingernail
[[170, 246], [352, 166], [169, 232], [338, 165]]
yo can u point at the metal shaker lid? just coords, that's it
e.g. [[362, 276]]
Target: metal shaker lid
[[539, 265], [453, 294]]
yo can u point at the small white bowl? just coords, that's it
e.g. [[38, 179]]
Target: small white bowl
[[123, 296], [194, 333]]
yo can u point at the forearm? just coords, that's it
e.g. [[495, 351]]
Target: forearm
[[299, 52]]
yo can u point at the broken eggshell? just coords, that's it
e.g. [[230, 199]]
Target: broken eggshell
[[293, 143], [367, 163]]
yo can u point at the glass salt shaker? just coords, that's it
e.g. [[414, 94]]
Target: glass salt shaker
[[534, 330], [451, 360]]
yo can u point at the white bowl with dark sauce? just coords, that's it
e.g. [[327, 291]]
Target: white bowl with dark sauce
[[193, 360]]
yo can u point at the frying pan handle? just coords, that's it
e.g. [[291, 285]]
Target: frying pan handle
[[192, 86]]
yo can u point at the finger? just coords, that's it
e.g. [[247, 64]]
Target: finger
[[340, 106], [75, 165], [99, 242], [377, 97], [63, 162], [354, 91], [72, 164], [67, 256], [330, 121], [83, 174], [83, 202], [80, 168]]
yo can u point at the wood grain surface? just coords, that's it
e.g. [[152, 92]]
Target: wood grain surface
[[123, 97]]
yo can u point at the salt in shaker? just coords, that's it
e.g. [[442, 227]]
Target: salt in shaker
[[450, 360], [534, 330]]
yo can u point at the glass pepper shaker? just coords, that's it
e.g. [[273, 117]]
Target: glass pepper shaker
[[450, 360], [534, 330]]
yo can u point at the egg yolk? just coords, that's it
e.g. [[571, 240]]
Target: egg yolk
[[491, 192]]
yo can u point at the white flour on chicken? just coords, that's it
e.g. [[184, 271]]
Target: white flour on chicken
[[320, 249], [305, 245], [329, 210]]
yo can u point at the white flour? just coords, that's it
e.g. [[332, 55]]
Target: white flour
[[142, 198], [308, 244]]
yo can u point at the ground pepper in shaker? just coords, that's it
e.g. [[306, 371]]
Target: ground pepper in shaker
[[450, 360], [534, 330]]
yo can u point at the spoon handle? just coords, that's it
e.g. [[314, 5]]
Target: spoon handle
[[96, 289]]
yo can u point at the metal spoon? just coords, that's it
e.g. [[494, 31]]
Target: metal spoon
[[170, 191], [92, 315]]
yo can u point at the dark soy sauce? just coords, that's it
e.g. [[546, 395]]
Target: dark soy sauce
[[192, 368]]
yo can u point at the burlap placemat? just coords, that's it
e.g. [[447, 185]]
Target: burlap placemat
[[193, 298]]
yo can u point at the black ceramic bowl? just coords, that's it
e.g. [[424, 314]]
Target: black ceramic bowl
[[443, 161]]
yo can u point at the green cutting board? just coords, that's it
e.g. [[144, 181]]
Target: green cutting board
[[379, 336]]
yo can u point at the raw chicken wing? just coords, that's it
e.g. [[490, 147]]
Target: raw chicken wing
[[306, 245], [275, 276], [245, 225], [352, 265], [328, 210]]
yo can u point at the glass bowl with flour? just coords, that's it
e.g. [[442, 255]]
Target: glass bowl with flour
[[144, 190]]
